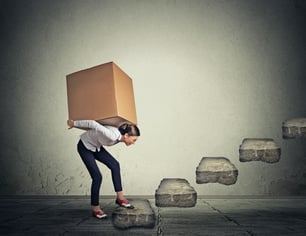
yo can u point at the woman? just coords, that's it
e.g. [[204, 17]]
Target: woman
[[90, 148]]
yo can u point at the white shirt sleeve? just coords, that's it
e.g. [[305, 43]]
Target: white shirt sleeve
[[91, 124]]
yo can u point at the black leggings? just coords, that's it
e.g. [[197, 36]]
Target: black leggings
[[89, 158]]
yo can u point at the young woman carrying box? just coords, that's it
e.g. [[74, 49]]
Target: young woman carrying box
[[90, 148]]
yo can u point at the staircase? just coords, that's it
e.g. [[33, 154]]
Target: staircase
[[216, 170], [294, 128], [265, 150], [177, 192]]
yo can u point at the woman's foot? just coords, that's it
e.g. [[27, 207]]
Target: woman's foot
[[124, 203], [99, 214]]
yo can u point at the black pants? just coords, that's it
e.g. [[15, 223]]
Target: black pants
[[89, 158]]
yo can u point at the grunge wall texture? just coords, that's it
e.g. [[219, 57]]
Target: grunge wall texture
[[206, 75]]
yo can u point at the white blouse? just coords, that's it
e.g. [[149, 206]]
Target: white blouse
[[97, 135]]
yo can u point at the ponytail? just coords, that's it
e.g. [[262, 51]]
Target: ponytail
[[130, 129]]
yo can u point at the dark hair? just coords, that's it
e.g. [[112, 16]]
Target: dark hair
[[130, 129]]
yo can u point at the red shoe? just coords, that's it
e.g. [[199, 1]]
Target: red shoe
[[124, 203], [99, 214]]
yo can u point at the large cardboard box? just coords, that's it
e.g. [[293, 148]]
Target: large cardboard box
[[103, 93]]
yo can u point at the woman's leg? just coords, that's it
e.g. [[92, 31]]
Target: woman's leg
[[91, 165], [107, 159]]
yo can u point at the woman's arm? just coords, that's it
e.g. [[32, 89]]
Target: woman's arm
[[99, 128], [71, 124], [92, 124]]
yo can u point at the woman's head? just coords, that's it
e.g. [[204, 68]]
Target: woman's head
[[130, 133]]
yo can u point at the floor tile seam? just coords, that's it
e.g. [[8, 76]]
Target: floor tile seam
[[295, 217], [24, 215], [228, 218], [5, 221], [82, 221], [159, 223]]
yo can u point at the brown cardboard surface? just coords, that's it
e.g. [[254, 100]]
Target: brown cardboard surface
[[103, 93]]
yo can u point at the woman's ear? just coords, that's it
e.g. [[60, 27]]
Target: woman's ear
[[126, 135]]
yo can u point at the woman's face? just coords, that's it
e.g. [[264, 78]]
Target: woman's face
[[128, 140]]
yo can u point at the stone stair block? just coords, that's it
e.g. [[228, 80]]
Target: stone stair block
[[294, 128], [265, 150], [216, 170], [141, 216], [175, 192]]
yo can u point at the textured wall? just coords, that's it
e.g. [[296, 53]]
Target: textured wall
[[206, 75]]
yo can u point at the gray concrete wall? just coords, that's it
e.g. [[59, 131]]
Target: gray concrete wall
[[206, 75]]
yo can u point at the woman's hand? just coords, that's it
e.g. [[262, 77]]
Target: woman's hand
[[70, 124]]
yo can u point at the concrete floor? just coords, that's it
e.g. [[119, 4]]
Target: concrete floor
[[228, 216]]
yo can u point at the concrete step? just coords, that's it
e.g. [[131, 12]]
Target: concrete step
[[265, 150], [141, 216], [294, 128], [216, 170], [175, 192]]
